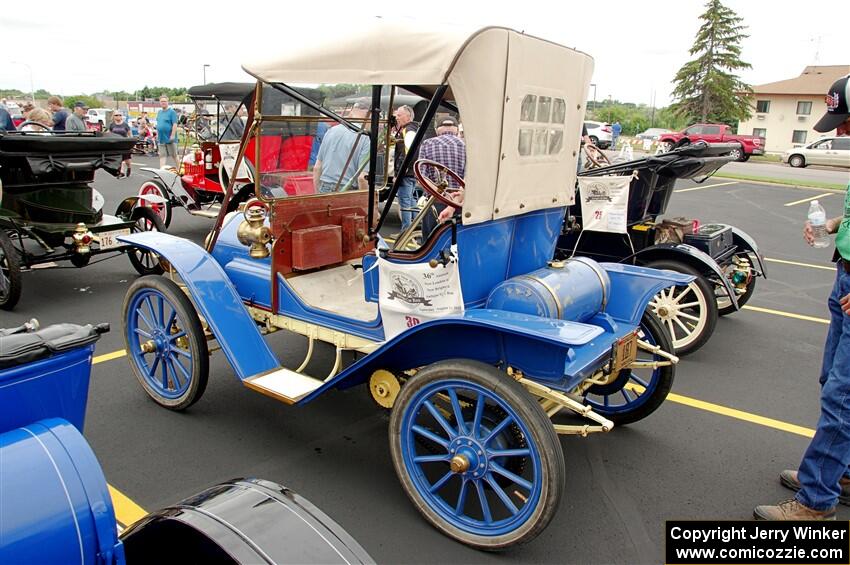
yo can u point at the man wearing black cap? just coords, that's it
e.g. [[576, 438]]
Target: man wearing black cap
[[77, 120], [823, 478]]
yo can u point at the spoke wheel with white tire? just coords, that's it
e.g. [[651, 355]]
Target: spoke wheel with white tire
[[163, 210], [10, 273], [688, 312]]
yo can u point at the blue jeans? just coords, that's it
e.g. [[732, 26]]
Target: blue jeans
[[406, 201], [828, 454]]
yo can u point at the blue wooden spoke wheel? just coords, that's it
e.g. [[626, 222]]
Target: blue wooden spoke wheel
[[165, 342], [476, 454], [636, 393]]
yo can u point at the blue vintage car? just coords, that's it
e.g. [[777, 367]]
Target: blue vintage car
[[57, 507], [466, 331]]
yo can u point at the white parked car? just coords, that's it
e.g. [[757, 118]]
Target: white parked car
[[99, 116], [599, 133], [652, 134], [830, 150]]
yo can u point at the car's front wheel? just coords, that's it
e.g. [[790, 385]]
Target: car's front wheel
[[797, 161]]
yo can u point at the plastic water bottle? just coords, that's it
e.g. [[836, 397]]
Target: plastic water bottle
[[817, 218]]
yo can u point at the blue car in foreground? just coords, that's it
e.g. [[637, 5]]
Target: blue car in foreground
[[466, 330]]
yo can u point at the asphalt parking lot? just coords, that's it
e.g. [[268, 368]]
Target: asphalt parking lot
[[741, 411]]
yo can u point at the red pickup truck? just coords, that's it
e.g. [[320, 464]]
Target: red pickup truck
[[714, 133]]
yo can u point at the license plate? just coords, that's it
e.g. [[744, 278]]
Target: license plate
[[625, 352], [109, 239]]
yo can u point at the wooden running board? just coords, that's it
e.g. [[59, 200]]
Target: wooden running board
[[283, 384]]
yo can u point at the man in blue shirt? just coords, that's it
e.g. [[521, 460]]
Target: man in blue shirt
[[615, 133], [166, 131], [6, 123], [342, 154]]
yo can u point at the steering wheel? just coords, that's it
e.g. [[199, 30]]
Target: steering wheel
[[596, 157], [438, 191], [31, 123]]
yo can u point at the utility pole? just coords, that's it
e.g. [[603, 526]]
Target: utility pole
[[652, 115], [205, 72], [594, 95]]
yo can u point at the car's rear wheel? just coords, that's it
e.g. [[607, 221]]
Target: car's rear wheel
[[145, 261], [10, 273], [163, 210], [737, 153], [797, 161], [689, 312]]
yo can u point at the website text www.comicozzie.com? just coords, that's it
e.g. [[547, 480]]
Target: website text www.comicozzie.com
[[697, 542]]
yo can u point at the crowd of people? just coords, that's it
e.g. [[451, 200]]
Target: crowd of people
[[339, 158], [158, 137]]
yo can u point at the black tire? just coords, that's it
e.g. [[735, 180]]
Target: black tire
[[594, 140], [660, 383], [745, 157], [797, 161], [667, 146], [738, 153], [706, 309], [724, 305], [10, 271], [145, 262], [542, 436], [186, 320], [683, 143], [80, 260], [245, 193]]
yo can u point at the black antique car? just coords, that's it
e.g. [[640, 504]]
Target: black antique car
[[50, 212], [724, 259]]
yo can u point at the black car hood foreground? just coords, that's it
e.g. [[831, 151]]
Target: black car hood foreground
[[60, 156], [241, 521]]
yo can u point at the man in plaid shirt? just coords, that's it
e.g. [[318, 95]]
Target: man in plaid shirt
[[448, 149]]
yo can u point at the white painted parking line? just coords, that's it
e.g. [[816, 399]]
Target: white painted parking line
[[701, 187], [798, 264], [785, 314], [819, 196]]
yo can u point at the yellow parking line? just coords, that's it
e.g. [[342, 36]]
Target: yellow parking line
[[741, 415], [731, 413], [819, 196], [109, 356], [126, 511], [707, 186], [809, 265], [786, 314]]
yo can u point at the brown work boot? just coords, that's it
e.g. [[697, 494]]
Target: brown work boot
[[789, 480], [791, 510]]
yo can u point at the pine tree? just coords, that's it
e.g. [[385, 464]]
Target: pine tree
[[706, 88]]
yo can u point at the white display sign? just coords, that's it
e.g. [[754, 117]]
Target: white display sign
[[410, 294], [604, 203]]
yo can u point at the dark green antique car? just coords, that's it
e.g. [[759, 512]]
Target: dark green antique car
[[49, 211]]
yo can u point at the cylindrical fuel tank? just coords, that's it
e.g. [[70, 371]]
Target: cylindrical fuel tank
[[572, 290], [55, 504]]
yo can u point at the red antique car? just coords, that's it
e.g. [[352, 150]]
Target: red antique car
[[218, 125]]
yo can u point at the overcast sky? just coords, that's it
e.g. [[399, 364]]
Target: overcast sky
[[637, 46]]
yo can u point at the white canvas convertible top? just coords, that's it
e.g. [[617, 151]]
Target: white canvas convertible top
[[490, 72]]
